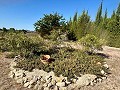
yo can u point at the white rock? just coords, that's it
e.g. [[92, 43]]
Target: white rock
[[60, 84], [102, 72], [40, 87], [56, 88], [25, 79], [30, 86], [99, 80], [12, 74], [34, 80], [50, 84], [104, 78], [48, 79], [43, 80], [26, 84], [19, 73], [85, 80], [46, 88], [106, 66], [21, 81], [91, 83]]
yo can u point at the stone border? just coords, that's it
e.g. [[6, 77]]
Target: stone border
[[41, 80]]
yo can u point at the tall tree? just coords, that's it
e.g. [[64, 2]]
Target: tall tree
[[113, 14], [118, 10], [99, 15], [105, 16], [75, 17]]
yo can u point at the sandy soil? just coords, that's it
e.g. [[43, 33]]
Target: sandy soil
[[111, 83], [7, 83]]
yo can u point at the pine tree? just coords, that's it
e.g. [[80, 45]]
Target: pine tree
[[113, 14], [118, 10], [75, 17], [99, 15], [105, 16]]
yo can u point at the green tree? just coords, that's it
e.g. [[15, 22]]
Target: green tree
[[11, 30], [105, 16], [4, 29], [75, 17], [118, 10], [48, 23], [83, 23], [99, 15], [113, 14]]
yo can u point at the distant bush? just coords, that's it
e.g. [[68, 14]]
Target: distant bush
[[91, 43], [20, 43]]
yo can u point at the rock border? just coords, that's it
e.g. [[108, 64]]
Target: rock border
[[41, 80]]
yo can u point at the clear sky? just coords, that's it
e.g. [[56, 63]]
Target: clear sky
[[22, 14]]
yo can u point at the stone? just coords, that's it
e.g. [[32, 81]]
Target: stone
[[98, 63], [43, 80], [106, 66], [102, 72], [55, 88], [19, 73], [63, 88], [48, 79], [12, 74], [74, 80], [26, 84], [40, 87], [46, 88], [59, 79], [37, 85], [99, 80], [104, 78], [61, 84], [85, 80], [91, 83], [25, 79], [21, 81], [30, 86], [34, 80]]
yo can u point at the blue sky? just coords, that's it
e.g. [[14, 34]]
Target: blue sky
[[22, 14]]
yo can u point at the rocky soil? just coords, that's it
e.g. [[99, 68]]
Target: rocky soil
[[111, 83]]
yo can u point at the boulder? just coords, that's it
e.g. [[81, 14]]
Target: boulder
[[85, 80], [26, 84], [61, 84]]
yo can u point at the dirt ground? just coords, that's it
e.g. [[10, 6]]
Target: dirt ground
[[7, 83], [111, 83]]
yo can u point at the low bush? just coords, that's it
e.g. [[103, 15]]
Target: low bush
[[68, 62], [21, 44], [91, 43]]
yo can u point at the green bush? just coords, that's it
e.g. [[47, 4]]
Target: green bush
[[91, 43], [21, 44], [68, 62]]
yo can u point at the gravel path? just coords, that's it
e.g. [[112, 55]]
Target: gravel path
[[111, 83]]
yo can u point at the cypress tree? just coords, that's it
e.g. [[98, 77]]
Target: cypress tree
[[113, 14], [99, 15], [75, 17], [105, 16], [118, 10]]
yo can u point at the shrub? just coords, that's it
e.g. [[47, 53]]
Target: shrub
[[91, 43], [68, 62], [20, 43]]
